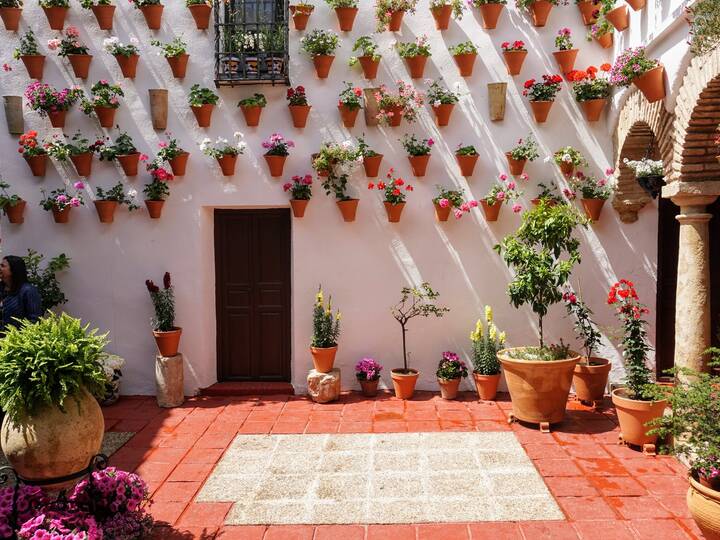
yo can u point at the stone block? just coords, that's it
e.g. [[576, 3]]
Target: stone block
[[169, 380], [324, 387]]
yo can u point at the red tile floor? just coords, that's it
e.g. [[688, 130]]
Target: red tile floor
[[605, 490]]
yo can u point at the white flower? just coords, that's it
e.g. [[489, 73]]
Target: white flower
[[238, 135], [222, 140], [132, 193], [547, 159], [437, 103], [110, 43], [566, 158], [134, 41], [241, 146], [347, 145]]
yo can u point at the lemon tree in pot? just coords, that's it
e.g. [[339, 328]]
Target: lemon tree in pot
[[486, 342], [541, 254], [167, 335], [49, 371], [415, 302], [326, 331]]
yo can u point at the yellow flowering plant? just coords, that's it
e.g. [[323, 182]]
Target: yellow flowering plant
[[487, 340], [326, 326]]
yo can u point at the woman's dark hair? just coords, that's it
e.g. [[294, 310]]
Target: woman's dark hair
[[18, 270]]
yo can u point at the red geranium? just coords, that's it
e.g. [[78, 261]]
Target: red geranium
[[392, 192]]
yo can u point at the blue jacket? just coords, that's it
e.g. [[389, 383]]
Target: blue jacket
[[25, 303]]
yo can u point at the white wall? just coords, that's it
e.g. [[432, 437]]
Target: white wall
[[363, 264]]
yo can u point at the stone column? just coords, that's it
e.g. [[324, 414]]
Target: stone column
[[169, 380]]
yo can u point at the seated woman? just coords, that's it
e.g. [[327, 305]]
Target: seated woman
[[18, 299]]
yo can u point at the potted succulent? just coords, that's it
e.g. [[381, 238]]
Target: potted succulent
[[394, 195], [548, 195], [367, 372], [33, 152], [649, 173], [588, 10], [103, 102], [167, 335], [12, 204], [565, 55], [202, 101], [173, 154], [639, 401], [541, 255], [277, 149], [594, 192], [300, 188], [540, 9], [389, 13], [301, 13], [55, 11], [200, 11], [487, 341], [326, 331], [418, 152], [298, 105], [602, 32], [542, 95], [103, 11], [525, 150], [369, 60], [48, 101], [321, 46], [451, 370], [464, 54], [107, 201], [514, 53], [156, 191], [252, 107], [224, 152], [442, 10], [370, 158], [442, 102], [592, 90], [617, 15], [10, 12], [346, 10], [123, 150], [568, 159], [63, 353], [393, 107], [349, 104], [74, 50], [490, 10], [126, 54], [504, 191], [466, 156], [152, 10], [414, 302], [415, 54], [29, 52], [175, 52], [451, 200], [632, 66], [60, 202]]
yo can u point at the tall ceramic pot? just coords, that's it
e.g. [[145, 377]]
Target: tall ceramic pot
[[467, 163], [419, 164], [516, 166], [394, 211], [633, 416], [404, 382], [34, 64], [514, 61], [178, 164], [153, 15], [56, 17], [492, 211], [704, 505], [276, 164], [593, 108], [80, 64], [323, 358], [128, 64], [486, 386], [346, 17], [298, 207], [416, 66], [465, 63], [442, 113], [14, 114], [442, 16], [371, 164], [129, 163], [590, 379], [566, 59], [541, 110], [252, 115], [299, 114], [396, 18], [369, 66], [323, 63], [168, 342], [158, 107], [203, 113], [106, 210]]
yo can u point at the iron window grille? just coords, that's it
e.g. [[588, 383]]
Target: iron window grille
[[251, 42]]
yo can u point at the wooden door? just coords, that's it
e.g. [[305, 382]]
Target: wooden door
[[667, 256], [252, 272]]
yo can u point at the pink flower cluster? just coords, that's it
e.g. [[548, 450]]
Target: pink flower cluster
[[112, 490], [368, 369], [28, 500], [56, 525], [277, 145]]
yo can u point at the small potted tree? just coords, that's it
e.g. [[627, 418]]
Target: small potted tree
[[369, 59], [504, 191], [568, 159], [525, 150], [173, 154], [442, 10], [200, 11], [224, 152], [415, 54], [490, 10], [104, 10], [74, 50], [124, 151], [367, 372], [389, 13], [349, 104], [566, 54], [321, 46], [592, 90], [29, 52], [48, 101], [167, 335], [466, 156], [298, 106], [202, 101], [487, 341], [107, 201], [346, 10], [594, 192], [12, 204], [60, 202], [300, 13], [33, 152], [633, 66], [451, 370], [55, 11], [152, 10], [326, 331], [451, 200], [370, 158], [414, 302], [514, 53], [300, 188], [394, 195], [542, 95], [175, 52], [10, 12], [277, 149], [126, 55], [442, 102], [540, 9], [464, 55], [103, 102], [418, 152], [252, 107]]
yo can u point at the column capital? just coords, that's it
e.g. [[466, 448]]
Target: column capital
[[692, 197]]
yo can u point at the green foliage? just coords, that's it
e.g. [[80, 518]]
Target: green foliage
[[7, 198], [157, 190], [256, 100], [550, 353], [584, 326], [28, 45], [487, 341], [326, 326], [44, 363], [201, 96], [176, 47], [704, 26], [123, 146], [117, 194], [45, 279]]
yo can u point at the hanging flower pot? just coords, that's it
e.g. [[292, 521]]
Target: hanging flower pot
[[299, 114], [465, 63], [371, 164], [486, 385], [396, 18], [449, 387], [82, 163], [104, 16], [637, 5], [348, 209], [15, 212], [593, 108], [14, 114], [369, 66], [56, 16], [442, 213], [404, 382], [203, 113], [178, 65], [153, 15], [168, 342], [419, 164], [61, 216], [227, 164], [593, 208], [514, 61], [252, 115], [106, 210], [516, 166], [300, 16], [298, 207], [158, 107], [416, 66], [348, 115], [57, 118], [395, 116], [619, 18], [323, 62], [587, 11], [129, 163], [540, 12], [492, 211], [605, 41], [442, 16], [541, 109], [346, 17], [106, 116], [652, 84], [566, 59], [11, 18], [467, 163], [154, 208], [442, 113], [80, 64], [490, 14], [178, 164], [201, 14], [394, 211], [34, 64], [590, 379], [128, 64], [37, 164], [633, 416], [275, 164]]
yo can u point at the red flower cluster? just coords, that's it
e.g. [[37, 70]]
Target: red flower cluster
[[590, 73], [152, 288], [570, 297], [514, 46], [28, 141], [392, 189], [296, 96], [624, 293]]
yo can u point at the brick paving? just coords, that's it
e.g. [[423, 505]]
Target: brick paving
[[605, 490]]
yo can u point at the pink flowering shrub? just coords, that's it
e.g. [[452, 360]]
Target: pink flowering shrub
[[29, 498], [44, 98], [300, 187], [368, 369], [631, 64], [61, 525], [277, 145], [505, 191]]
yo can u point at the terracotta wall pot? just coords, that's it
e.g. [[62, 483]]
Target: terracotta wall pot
[[394, 211], [514, 61], [497, 97], [704, 506], [203, 114], [56, 17], [416, 66], [129, 163], [442, 16], [106, 210], [34, 64], [227, 164], [104, 16], [276, 164], [168, 342], [540, 110], [419, 164], [490, 15], [15, 213], [346, 17], [590, 380], [566, 59], [106, 116], [637, 5], [369, 388], [80, 64], [61, 216], [348, 209], [201, 14], [323, 62], [154, 208], [566, 168], [652, 84], [442, 214], [449, 387], [619, 18], [252, 115], [348, 115], [467, 164], [396, 18], [369, 66], [593, 208], [299, 114], [442, 113], [633, 415], [300, 19], [465, 63], [323, 358], [40, 447], [14, 114], [404, 383], [153, 15], [486, 386], [540, 12], [539, 390], [492, 211], [83, 163], [158, 107], [57, 119], [11, 18], [396, 117], [593, 108], [605, 41], [178, 65], [178, 164], [128, 65], [37, 164], [587, 9], [298, 207], [371, 164], [516, 166]]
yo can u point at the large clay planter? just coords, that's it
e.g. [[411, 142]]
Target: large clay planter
[[539, 390], [633, 415], [37, 164], [348, 209], [298, 207], [252, 115], [590, 380], [652, 84], [540, 110], [486, 386], [56, 17], [106, 116], [106, 210], [619, 18], [53, 443], [201, 14], [416, 66], [637, 5], [514, 61], [61, 216], [396, 18], [404, 383], [442, 16], [394, 211], [606, 40], [203, 114], [178, 164], [158, 107], [80, 64], [371, 164], [167, 342], [516, 166], [593, 208], [299, 114], [11, 18], [490, 15], [492, 211], [227, 164], [346, 17], [129, 163], [465, 63], [566, 59], [593, 108], [154, 208], [369, 388], [276, 164], [419, 164], [396, 118], [83, 163], [34, 64], [467, 164], [104, 16], [322, 63], [57, 119], [178, 65], [442, 113], [14, 114], [449, 387], [15, 213], [348, 115], [587, 9], [128, 64], [153, 15], [704, 505], [442, 214], [369, 66], [540, 12], [323, 358]]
